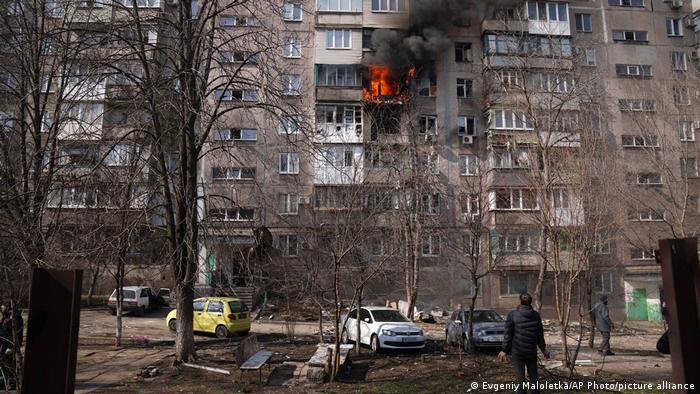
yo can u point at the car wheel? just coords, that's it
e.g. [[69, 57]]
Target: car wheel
[[374, 344], [172, 325], [344, 339], [140, 311], [221, 332]]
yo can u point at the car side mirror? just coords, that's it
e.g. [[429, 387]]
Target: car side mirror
[[366, 319], [458, 322]]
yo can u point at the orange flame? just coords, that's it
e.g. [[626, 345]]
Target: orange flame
[[382, 86]]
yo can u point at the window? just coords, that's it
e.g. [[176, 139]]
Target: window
[[78, 197], [232, 214], [337, 75], [339, 5], [227, 20], [686, 131], [289, 245], [215, 307], [603, 246], [198, 306], [464, 88], [509, 119], [546, 11], [527, 46], [338, 39], [426, 87], [640, 141], [7, 121], [291, 84], [291, 47], [679, 61], [289, 163], [88, 113], [467, 165], [288, 204], [642, 254], [633, 70], [428, 124], [508, 159], [513, 284], [238, 57], [674, 27], [689, 168], [235, 135], [234, 173], [516, 242], [389, 5], [466, 125], [291, 11], [236, 94], [629, 35], [121, 155], [650, 215], [548, 82], [330, 117], [430, 245], [376, 246], [509, 78], [470, 245], [470, 203], [290, 124], [463, 52], [232, 20], [650, 178], [637, 105], [590, 59], [561, 199], [583, 23], [516, 199], [603, 282], [78, 156], [142, 3], [430, 204], [626, 3], [681, 95]]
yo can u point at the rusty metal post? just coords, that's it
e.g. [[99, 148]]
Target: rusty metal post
[[681, 286], [52, 331]]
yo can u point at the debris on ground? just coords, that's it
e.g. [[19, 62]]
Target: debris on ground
[[210, 369], [148, 372]]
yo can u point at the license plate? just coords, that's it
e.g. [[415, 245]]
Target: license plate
[[410, 339], [496, 338]]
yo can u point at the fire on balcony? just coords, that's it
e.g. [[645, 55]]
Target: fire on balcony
[[381, 86]]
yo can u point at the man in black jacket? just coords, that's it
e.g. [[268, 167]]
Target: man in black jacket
[[524, 333]]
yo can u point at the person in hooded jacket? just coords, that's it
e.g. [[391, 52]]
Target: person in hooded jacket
[[523, 335], [604, 324]]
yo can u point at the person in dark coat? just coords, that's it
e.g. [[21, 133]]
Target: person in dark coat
[[524, 334], [18, 326], [601, 314], [5, 331]]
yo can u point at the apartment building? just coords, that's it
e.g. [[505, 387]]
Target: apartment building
[[642, 53], [366, 124]]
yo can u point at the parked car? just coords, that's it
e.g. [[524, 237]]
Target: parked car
[[488, 327], [383, 328], [136, 299], [164, 294], [222, 316]]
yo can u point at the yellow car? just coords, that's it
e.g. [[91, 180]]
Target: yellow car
[[218, 315]]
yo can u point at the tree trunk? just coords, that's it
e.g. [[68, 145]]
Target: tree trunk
[[336, 322], [591, 315], [93, 282], [184, 339], [320, 324], [537, 297], [472, 305], [120, 299], [358, 341]]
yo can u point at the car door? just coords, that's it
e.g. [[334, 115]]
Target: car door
[[213, 316], [143, 299], [198, 307], [351, 325], [365, 326]]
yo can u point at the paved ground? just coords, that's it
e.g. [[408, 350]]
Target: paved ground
[[148, 341]]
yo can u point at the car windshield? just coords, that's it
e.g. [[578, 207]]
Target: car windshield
[[126, 294], [485, 316], [388, 316], [237, 306]]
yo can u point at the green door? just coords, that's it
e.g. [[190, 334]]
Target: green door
[[637, 309]]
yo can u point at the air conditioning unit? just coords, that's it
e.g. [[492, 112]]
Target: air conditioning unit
[[467, 139], [676, 4], [304, 200]]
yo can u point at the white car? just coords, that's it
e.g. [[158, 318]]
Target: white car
[[136, 299], [383, 328]]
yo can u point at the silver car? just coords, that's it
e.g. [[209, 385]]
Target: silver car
[[489, 328]]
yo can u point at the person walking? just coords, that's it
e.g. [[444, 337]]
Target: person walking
[[601, 314], [524, 334]]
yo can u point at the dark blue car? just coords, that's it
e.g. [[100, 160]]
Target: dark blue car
[[489, 328]]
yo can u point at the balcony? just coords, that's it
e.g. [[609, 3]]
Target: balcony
[[338, 133]]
